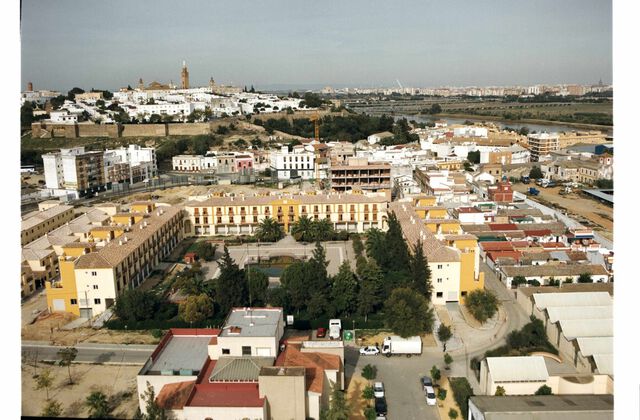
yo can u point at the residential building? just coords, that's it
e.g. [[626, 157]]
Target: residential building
[[110, 259], [131, 164], [452, 256], [445, 185], [187, 163], [340, 152], [566, 407], [63, 117], [239, 371], [541, 144], [298, 163], [74, 172], [228, 215], [49, 216], [360, 174], [501, 192], [378, 137], [88, 96]]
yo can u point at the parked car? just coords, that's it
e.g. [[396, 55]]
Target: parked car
[[381, 417], [369, 351], [430, 396], [321, 332], [381, 406], [378, 390], [426, 381]]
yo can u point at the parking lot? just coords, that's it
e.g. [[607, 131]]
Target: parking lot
[[401, 378]]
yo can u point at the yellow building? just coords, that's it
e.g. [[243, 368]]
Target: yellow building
[[453, 258], [225, 215], [111, 258], [50, 215]]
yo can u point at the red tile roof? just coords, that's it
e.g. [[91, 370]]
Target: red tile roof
[[494, 255], [174, 396], [226, 395], [538, 232], [313, 362], [502, 226], [496, 246]]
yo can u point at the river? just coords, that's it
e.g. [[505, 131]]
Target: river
[[515, 125]]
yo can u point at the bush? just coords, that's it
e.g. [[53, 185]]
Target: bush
[[483, 304], [442, 394], [461, 392], [157, 333]]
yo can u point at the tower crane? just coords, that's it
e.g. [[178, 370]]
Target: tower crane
[[316, 125]]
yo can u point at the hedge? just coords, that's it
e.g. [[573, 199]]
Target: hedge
[[374, 321], [152, 324], [461, 392]]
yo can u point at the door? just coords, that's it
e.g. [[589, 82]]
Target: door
[[58, 305], [86, 313]]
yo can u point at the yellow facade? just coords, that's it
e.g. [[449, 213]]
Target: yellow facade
[[102, 234], [468, 282], [142, 207], [127, 218], [65, 289]]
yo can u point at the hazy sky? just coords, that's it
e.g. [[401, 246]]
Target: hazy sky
[[297, 43]]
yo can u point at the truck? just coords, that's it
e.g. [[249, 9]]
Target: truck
[[395, 345], [335, 327], [525, 179], [533, 191]]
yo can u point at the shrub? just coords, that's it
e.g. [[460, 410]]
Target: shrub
[[442, 394], [157, 333], [461, 392], [482, 304]]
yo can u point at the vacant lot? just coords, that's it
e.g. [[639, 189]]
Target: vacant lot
[[118, 383]]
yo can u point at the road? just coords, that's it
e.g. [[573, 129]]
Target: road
[[91, 353]]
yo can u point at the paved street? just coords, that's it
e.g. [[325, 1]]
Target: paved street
[[91, 353], [401, 376]]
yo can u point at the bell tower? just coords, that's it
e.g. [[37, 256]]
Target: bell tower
[[184, 76]]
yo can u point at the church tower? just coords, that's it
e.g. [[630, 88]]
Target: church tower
[[212, 83], [185, 76]]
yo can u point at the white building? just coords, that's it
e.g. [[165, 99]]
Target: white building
[[63, 117], [471, 131], [297, 163], [137, 163]]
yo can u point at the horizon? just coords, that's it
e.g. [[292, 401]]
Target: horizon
[[106, 45]]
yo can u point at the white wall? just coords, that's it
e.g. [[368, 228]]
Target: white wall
[[449, 272]]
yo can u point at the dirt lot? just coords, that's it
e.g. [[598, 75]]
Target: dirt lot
[[366, 339], [597, 213], [118, 383], [49, 329]]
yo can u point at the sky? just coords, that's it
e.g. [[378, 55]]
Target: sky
[[296, 44]]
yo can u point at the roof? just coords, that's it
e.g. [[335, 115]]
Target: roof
[[568, 288], [547, 300], [574, 328], [518, 369], [314, 363], [225, 395], [383, 134], [557, 313], [252, 322], [568, 407], [239, 369], [36, 217], [550, 270], [595, 345], [604, 363], [175, 395], [180, 352]]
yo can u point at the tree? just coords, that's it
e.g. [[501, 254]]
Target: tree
[[436, 109], [462, 390], [408, 313], [500, 391], [370, 413], [26, 114], [442, 394], [154, 411], [98, 404], [269, 230], [448, 360], [258, 284], [295, 281], [444, 335], [369, 372], [196, 308], [585, 278], [67, 356], [155, 118], [370, 293], [453, 414], [518, 280], [420, 272], [435, 373], [71, 95], [474, 157], [205, 250], [230, 286], [344, 291], [368, 393], [52, 409], [301, 230], [544, 390], [45, 380], [536, 173], [136, 305], [396, 247], [482, 304], [357, 244], [375, 245], [321, 230], [339, 409]]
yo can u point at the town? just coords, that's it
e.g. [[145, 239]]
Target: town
[[354, 211]]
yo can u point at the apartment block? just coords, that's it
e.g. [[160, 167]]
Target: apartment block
[[299, 163], [541, 144], [113, 257], [50, 215], [453, 257], [74, 172], [227, 215], [360, 174], [130, 164]]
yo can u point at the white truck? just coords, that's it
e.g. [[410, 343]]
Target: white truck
[[335, 327], [394, 344]]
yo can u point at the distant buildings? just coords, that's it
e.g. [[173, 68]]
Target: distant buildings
[[541, 144], [360, 174]]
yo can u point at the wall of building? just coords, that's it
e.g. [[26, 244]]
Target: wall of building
[[285, 396], [600, 384], [104, 279], [235, 344], [66, 290], [157, 382], [449, 272]]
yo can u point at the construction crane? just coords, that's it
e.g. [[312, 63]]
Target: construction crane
[[316, 123], [399, 84]]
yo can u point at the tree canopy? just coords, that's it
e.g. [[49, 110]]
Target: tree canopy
[[136, 305], [230, 286], [408, 313], [269, 230], [482, 304], [196, 308]]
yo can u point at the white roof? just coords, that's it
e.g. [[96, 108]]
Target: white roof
[[575, 328], [557, 313], [604, 363], [515, 369], [545, 300], [590, 346]]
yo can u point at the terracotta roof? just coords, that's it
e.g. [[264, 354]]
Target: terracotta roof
[[496, 246], [314, 363], [225, 395], [302, 198], [502, 226], [548, 270], [494, 255], [174, 396], [538, 232], [36, 217]]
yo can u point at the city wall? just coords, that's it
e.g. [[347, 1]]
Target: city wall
[[48, 130]]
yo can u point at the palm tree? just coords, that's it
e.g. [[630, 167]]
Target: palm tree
[[322, 230], [98, 405], [269, 230], [301, 230]]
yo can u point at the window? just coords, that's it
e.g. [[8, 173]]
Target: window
[[96, 301], [95, 287], [226, 351], [463, 294], [246, 350], [439, 279], [439, 294], [439, 266], [74, 301]]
